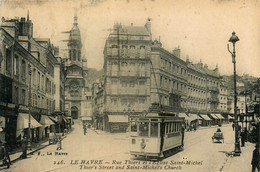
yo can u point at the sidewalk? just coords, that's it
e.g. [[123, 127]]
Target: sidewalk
[[240, 163], [35, 147], [16, 156]]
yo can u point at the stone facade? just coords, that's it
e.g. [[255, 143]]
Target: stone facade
[[27, 79], [126, 74], [76, 87]]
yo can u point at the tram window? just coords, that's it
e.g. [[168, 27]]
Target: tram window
[[171, 127], [178, 127], [143, 129], [133, 127], [154, 129], [175, 127]]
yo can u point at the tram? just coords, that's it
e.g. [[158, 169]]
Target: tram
[[155, 134]]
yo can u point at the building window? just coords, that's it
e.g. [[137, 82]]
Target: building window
[[8, 65], [132, 84], [16, 65], [124, 84], [141, 82], [23, 99], [23, 72]]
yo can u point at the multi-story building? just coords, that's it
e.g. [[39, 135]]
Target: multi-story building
[[59, 81], [168, 79], [197, 88], [223, 98], [98, 104], [27, 81], [76, 89], [126, 74]]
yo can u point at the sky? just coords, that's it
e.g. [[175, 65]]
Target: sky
[[200, 28]]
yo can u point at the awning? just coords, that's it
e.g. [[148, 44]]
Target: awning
[[214, 116], [23, 122], [53, 119], [45, 120], [65, 119], [230, 117], [219, 116], [117, 118], [205, 117], [193, 117], [183, 115], [86, 118]]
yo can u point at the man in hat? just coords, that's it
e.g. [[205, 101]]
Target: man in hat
[[24, 147], [255, 159]]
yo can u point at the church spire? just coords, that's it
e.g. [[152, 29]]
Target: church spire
[[75, 18]]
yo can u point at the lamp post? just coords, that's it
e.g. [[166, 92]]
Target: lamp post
[[233, 39], [29, 107]]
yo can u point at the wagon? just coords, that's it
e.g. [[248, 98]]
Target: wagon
[[218, 136]]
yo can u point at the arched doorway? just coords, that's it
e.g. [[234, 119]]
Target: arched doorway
[[74, 112]]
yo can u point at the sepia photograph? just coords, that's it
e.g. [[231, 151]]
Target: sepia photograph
[[129, 85]]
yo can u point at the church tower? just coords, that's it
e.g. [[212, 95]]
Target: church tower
[[74, 43], [75, 81]]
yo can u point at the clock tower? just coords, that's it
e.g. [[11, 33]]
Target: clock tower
[[75, 80]]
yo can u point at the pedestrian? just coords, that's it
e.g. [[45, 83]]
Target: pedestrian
[[4, 155], [194, 127], [243, 139], [24, 147], [255, 159], [182, 133], [59, 143], [85, 129], [233, 126], [7, 148]]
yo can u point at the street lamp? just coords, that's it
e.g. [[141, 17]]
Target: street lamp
[[233, 39], [29, 107]]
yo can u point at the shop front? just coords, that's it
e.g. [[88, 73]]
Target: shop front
[[47, 126], [22, 127], [117, 123]]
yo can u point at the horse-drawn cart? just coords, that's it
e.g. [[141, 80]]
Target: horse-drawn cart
[[218, 136]]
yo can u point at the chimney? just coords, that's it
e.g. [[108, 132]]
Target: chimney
[[11, 26], [177, 52], [148, 25], [187, 59]]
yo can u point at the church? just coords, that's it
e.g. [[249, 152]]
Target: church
[[77, 91]]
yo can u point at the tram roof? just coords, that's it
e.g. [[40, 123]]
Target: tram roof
[[159, 115]]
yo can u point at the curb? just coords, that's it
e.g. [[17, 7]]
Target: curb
[[33, 151]]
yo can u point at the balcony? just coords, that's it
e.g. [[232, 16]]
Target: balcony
[[210, 88]]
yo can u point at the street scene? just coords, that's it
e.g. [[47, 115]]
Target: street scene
[[130, 85], [95, 145]]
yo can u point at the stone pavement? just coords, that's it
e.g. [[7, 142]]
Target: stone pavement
[[240, 163]]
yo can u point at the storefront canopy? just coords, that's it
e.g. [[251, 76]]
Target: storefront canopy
[[53, 119], [117, 118], [214, 116], [23, 122], [205, 117], [230, 117], [45, 120], [219, 116], [193, 117]]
